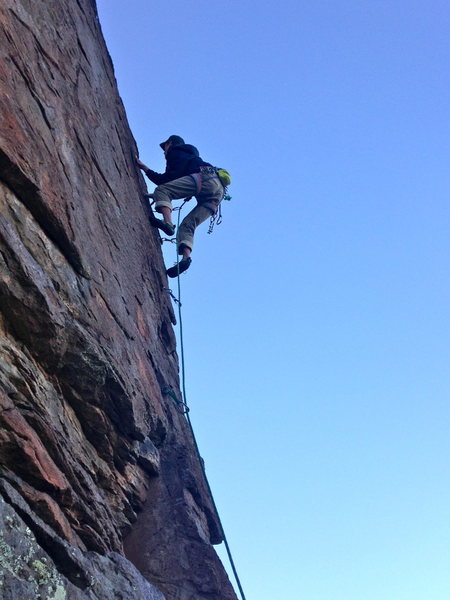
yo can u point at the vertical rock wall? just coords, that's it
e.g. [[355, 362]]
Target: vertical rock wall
[[96, 465]]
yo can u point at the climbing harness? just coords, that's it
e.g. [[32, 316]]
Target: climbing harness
[[216, 218], [198, 182], [185, 409]]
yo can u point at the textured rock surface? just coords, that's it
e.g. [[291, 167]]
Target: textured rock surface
[[95, 461], [27, 571]]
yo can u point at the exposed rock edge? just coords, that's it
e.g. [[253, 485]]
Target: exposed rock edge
[[98, 472]]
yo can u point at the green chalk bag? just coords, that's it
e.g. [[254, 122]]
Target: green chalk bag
[[224, 176]]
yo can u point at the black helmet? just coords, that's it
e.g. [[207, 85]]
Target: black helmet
[[175, 139]]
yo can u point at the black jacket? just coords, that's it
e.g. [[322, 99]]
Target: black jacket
[[181, 160]]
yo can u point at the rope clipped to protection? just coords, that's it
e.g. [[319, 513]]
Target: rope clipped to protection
[[172, 295], [169, 392]]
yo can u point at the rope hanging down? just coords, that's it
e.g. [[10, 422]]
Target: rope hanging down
[[184, 405]]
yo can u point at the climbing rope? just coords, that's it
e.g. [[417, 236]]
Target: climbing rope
[[185, 408]]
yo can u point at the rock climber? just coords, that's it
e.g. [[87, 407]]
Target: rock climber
[[186, 175]]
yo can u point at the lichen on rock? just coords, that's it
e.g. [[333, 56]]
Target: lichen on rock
[[98, 470]]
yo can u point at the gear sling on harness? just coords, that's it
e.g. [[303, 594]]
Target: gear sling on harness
[[225, 180], [222, 174]]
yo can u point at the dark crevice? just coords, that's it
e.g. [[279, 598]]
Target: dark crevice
[[33, 92], [42, 109], [113, 241], [35, 96], [36, 39], [63, 165], [80, 142], [29, 194], [94, 161], [97, 166], [116, 319], [83, 52], [54, 546]]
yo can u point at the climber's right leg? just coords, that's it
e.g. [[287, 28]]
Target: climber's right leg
[[163, 196]]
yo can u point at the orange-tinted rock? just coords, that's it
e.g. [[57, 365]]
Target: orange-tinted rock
[[98, 457]]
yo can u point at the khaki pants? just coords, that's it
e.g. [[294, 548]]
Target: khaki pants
[[208, 199]]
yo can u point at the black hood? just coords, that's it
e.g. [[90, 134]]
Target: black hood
[[185, 149], [181, 160]]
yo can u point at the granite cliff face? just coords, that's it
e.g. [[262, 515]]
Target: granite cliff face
[[98, 472]]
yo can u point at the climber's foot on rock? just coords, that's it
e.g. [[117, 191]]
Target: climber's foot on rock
[[168, 228]]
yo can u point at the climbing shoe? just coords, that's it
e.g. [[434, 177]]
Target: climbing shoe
[[168, 228], [181, 267]]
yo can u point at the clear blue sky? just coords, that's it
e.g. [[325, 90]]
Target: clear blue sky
[[316, 317]]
